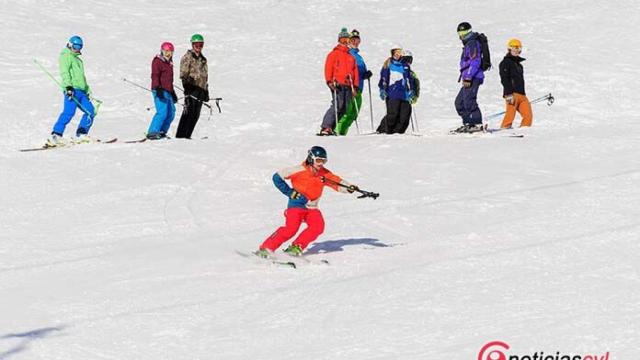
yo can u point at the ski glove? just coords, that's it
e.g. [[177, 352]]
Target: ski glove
[[295, 195], [409, 95], [159, 92], [466, 83], [206, 96], [69, 91], [331, 85], [413, 100], [367, 75], [352, 188], [509, 99], [383, 94], [175, 97]]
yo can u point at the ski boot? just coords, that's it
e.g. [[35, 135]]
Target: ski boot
[[82, 139], [294, 250], [54, 141], [263, 253], [155, 136]]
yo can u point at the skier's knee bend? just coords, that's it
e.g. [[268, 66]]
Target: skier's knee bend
[[287, 232]]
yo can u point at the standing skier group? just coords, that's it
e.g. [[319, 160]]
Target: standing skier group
[[77, 94], [399, 86], [344, 73]]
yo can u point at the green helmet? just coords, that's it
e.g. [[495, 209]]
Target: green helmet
[[197, 38]]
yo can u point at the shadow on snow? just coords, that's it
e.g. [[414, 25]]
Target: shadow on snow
[[25, 339], [338, 245]]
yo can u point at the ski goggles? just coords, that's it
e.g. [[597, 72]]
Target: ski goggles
[[318, 160], [76, 46], [198, 45], [463, 33]]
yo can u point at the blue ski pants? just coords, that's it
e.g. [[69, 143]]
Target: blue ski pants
[[69, 110], [165, 112]]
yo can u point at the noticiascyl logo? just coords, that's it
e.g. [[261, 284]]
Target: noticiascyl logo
[[493, 350]]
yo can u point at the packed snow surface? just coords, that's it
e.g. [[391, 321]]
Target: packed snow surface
[[129, 251]]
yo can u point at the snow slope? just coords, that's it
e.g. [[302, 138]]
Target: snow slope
[[128, 251]]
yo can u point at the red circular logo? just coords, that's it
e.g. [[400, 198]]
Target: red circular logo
[[493, 350]]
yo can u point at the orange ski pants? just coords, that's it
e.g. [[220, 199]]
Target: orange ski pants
[[522, 105]]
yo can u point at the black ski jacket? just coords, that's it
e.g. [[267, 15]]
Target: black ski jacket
[[512, 75]]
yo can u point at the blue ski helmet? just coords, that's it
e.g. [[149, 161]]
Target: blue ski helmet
[[75, 42], [316, 152]]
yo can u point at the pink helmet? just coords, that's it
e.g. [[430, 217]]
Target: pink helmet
[[166, 46]]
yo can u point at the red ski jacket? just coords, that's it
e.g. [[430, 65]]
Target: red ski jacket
[[341, 67]]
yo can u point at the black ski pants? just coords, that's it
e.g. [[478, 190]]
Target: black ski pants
[[189, 118], [397, 119]]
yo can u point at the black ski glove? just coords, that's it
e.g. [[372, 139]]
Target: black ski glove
[[69, 91], [159, 92], [367, 75], [175, 97], [206, 96]]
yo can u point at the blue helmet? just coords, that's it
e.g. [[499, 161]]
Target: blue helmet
[[316, 152], [75, 42]]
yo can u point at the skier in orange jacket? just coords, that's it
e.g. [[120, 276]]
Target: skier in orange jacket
[[342, 78], [307, 182]]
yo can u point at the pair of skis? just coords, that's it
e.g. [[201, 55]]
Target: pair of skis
[[49, 147], [284, 261]]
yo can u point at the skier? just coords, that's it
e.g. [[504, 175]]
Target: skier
[[164, 97], [76, 94], [396, 89], [472, 77], [408, 59], [341, 76], [307, 183], [355, 105], [193, 72], [512, 78]]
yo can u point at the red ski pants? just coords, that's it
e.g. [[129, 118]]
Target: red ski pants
[[294, 218]]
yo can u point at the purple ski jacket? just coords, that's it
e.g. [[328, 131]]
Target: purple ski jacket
[[471, 59]]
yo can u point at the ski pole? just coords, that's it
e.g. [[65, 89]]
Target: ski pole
[[75, 100], [143, 88], [364, 193], [335, 100], [549, 98], [355, 102], [413, 130], [370, 103], [136, 84], [415, 115], [217, 100]]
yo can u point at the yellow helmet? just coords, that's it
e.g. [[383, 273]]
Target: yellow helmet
[[514, 43]]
